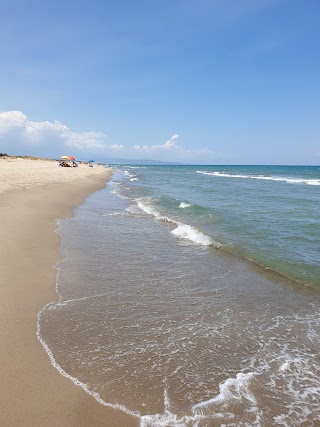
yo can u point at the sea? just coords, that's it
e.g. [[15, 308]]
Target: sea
[[190, 296]]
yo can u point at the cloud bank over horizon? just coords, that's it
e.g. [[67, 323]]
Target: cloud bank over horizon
[[21, 136]]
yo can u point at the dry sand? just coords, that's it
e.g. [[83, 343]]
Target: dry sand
[[33, 195]]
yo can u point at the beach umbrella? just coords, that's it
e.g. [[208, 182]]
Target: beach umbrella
[[65, 157], [91, 161], [71, 158]]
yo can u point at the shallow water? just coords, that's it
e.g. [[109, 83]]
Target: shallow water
[[175, 331]]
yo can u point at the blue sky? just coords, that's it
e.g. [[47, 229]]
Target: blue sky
[[206, 81]]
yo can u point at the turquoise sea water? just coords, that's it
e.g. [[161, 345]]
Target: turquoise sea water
[[269, 214], [171, 306]]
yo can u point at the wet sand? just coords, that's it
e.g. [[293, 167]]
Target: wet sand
[[33, 196]]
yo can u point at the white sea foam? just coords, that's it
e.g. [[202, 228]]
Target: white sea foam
[[131, 176], [184, 205], [231, 389], [133, 209], [233, 392], [118, 193], [151, 211], [185, 231], [55, 364], [170, 420], [182, 231], [263, 177], [76, 381]]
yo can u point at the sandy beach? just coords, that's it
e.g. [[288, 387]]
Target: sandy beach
[[34, 194]]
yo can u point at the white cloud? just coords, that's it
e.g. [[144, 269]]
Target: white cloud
[[19, 135], [168, 145], [174, 152]]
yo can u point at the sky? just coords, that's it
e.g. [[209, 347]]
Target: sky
[[191, 81]]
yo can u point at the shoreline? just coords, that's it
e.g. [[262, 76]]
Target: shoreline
[[33, 392]]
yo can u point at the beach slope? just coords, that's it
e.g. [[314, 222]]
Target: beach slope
[[33, 195]]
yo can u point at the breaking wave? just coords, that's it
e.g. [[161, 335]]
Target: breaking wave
[[264, 177], [182, 231], [184, 205]]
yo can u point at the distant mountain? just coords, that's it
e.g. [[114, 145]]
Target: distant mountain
[[136, 162]]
